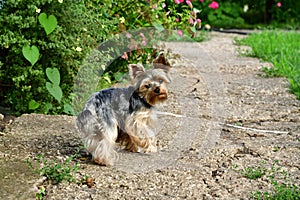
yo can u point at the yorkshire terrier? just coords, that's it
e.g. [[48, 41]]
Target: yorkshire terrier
[[125, 116]]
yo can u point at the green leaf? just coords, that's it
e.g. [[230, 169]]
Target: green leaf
[[49, 23], [193, 29], [68, 109], [32, 105], [54, 90], [158, 27], [45, 109], [31, 53], [53, 75], [107, 78], [118, 76], [196, 10]]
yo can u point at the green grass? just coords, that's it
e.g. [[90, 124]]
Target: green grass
[[55, 171], [282, 48], [282, 188], [254, 172], [280, 192]]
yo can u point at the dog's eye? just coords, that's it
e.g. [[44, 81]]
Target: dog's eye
[[160, 81]]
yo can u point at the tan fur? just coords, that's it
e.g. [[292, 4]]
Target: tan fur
[[132, 126]]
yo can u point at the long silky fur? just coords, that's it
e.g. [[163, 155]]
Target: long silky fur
[[98, 139], [140, 127], [124, 115]]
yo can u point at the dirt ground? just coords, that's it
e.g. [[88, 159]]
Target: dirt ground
[[228, 118]]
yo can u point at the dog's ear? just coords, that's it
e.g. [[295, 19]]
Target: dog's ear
[[135, 70], [161, 62]]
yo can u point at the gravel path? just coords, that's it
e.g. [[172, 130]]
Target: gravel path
[[226, 120]]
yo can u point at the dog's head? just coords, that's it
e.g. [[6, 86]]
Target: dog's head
[[152, 84]]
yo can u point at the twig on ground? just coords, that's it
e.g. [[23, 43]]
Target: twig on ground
[[229, 125], [254, 129], [169, 114]]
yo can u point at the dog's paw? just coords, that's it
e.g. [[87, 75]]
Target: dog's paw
[[151, 149]]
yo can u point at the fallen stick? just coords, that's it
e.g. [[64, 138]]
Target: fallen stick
[[169, 114], [228, 125], [254, 129]]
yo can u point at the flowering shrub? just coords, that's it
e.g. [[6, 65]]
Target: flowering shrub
[[57, 34], [251, 13], [285, 12], [162, 14], [172, 19], [214, 5], [225, 15], [76, 28], [177, 15]]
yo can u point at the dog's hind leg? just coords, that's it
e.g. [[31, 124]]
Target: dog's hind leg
[[98, 138]]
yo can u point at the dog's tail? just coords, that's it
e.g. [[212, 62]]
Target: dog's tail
[[97, 140]]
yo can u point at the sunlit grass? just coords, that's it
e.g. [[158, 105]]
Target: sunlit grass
[[282, 48], [281, 186]]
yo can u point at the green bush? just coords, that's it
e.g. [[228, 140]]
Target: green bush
[[228, 15], [80, 27], [280, 48], [250, 13]]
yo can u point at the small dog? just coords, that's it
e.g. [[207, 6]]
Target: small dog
[[125, 116]]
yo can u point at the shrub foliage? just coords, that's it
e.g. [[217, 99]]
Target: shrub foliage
[[29, 45], [80, 26]]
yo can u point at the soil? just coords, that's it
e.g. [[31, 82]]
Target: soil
[[225, 118]]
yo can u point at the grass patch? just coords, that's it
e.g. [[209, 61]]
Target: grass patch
[[282, 48], [57, 171], [282, 188], [280, 192], [254, 172]]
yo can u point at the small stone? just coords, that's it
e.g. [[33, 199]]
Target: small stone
[[90, 182]]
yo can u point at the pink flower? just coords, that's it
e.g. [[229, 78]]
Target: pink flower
[[189, 4], [179, 32], [178, 1], [125, 56], [177, 19], [128, 35], [164, 5], [144, 43], [214, 5], [191, 21], [198, 21], [279, 4], [201, 1], [194, 14]]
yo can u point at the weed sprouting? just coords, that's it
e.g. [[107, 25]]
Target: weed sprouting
[[41, 193], [280, 192], [55, 171], [282, 189], [254, 172]]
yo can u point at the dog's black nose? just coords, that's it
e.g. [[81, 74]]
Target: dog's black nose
[[157, 90]]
